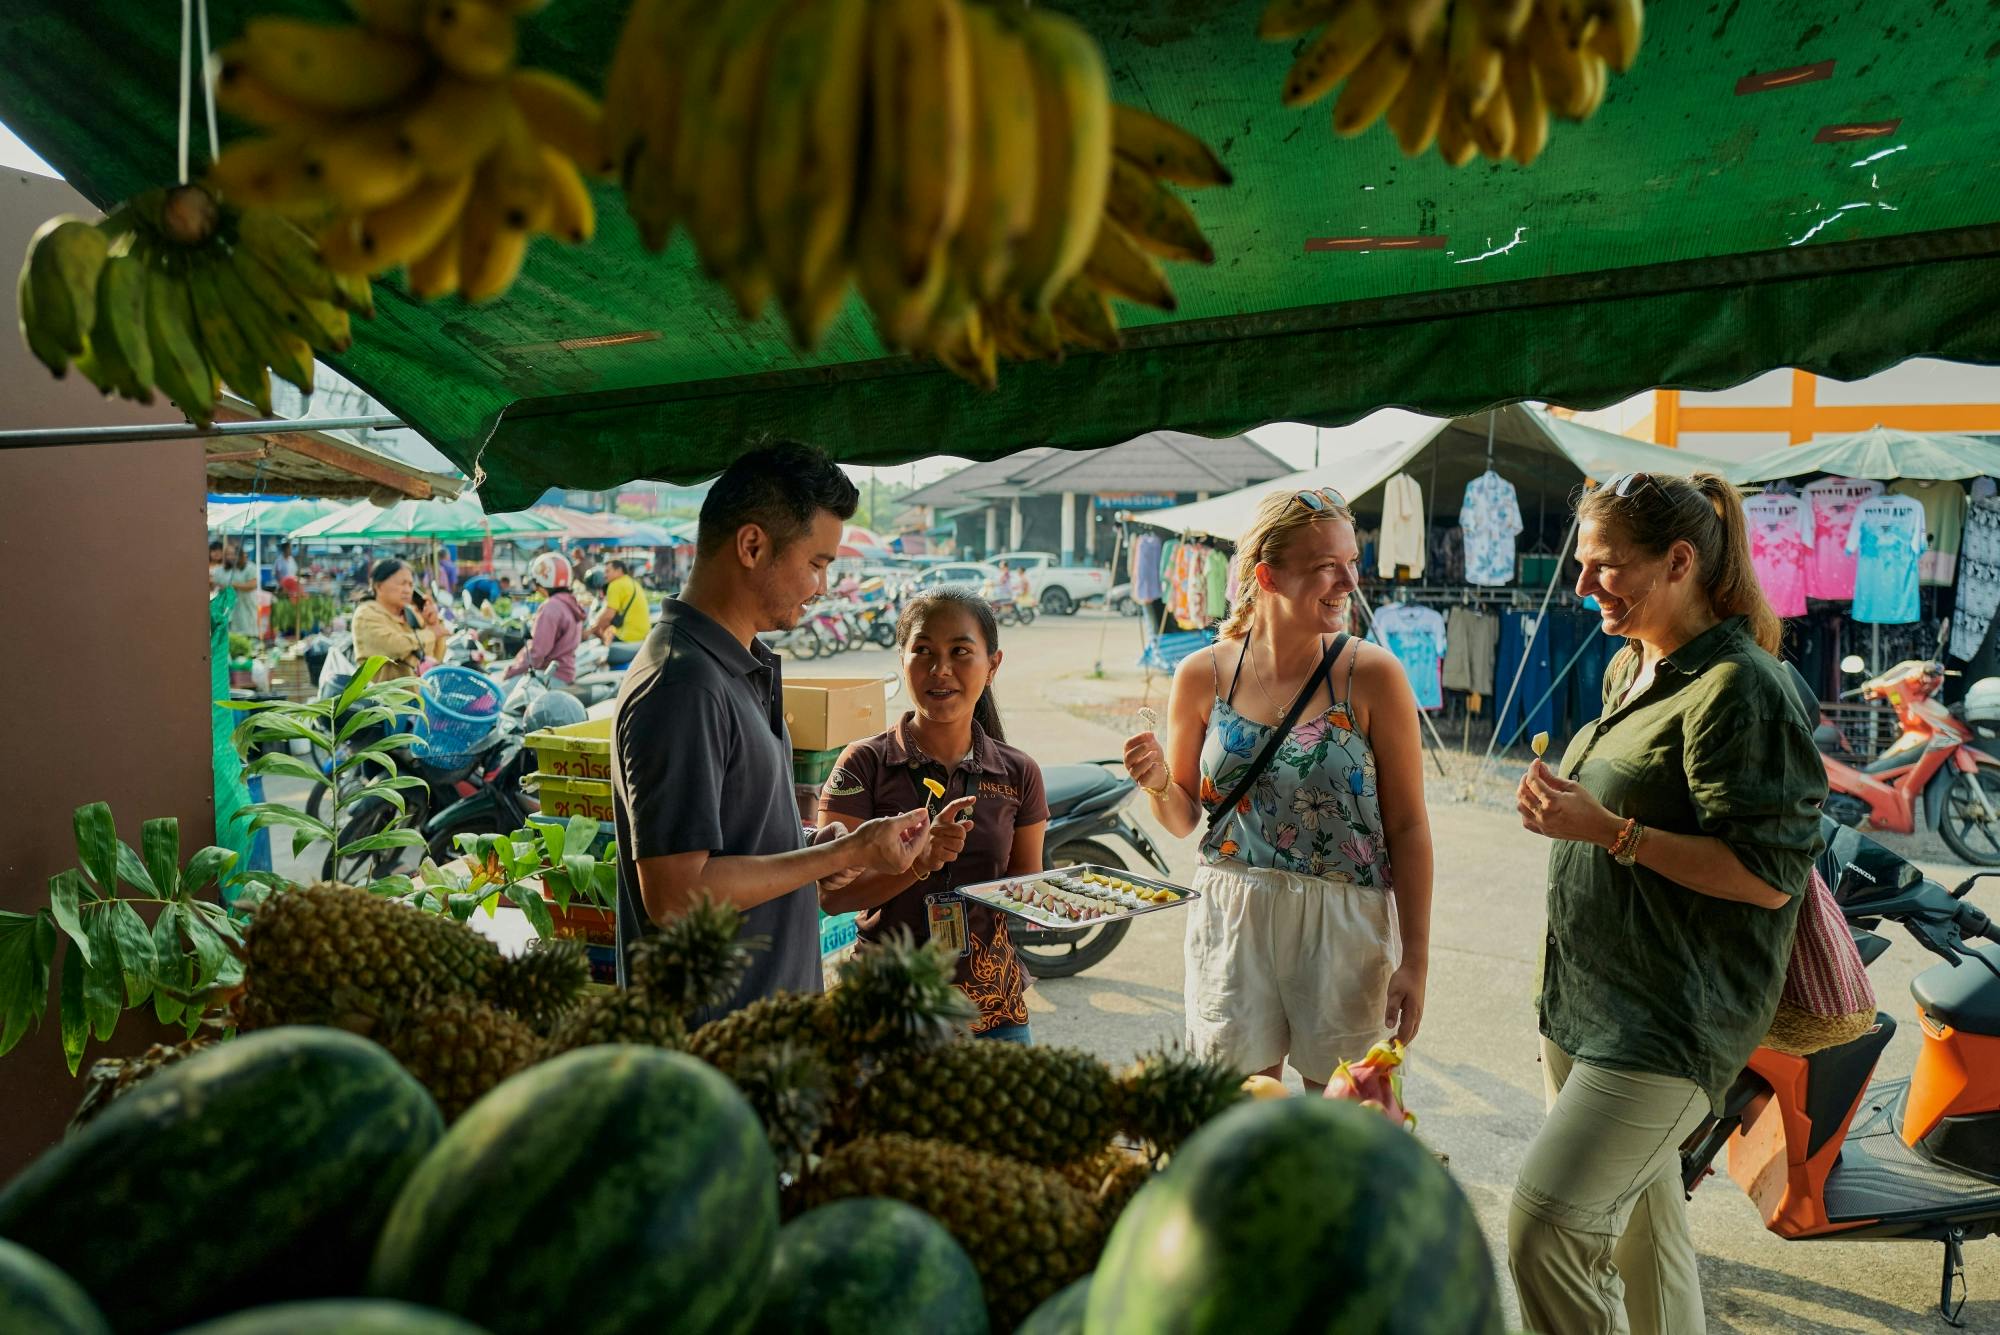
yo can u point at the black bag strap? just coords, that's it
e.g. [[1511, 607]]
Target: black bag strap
[[1220, 815]]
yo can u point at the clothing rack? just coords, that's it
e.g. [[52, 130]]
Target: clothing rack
[[1464, 595]]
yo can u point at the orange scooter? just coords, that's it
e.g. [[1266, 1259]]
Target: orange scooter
[[1827, 1155]]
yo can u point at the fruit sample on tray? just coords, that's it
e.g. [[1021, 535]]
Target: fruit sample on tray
[[1072, 896]]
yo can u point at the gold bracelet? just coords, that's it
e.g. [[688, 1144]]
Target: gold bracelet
[[1157, 794]]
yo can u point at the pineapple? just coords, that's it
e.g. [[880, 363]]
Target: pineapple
[[1111, 1178], [542, 985], [1027, 1230], [459, 1047], [1048, 1106], [628, 1016], [1169, 1095], [696, 960], [113, 1077], [791, 1091]]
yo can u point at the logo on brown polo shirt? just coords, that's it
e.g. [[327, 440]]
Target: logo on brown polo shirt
[[993, 788], [841, 784]]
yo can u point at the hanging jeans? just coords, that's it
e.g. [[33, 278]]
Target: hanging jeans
[[1516, 630], [1586, 683]]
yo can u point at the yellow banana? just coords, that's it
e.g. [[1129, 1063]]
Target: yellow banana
[[647, 161], [562, 116], [1501, 21], [719, 136], [270, 173], [1565, 81], [572, 213], [902, 313], [277, 347], [286, 251], [330, 68], [355, 293], [1159, 220], [1075, 159], [471, 37], [1455, 143], [118, 337], [1084, 316], [1473, 62], [921, 85], [1334, 54], [513, 181], [456, 124], [1289, 18], [1531, 113], [1371, 89], [1493, 129], [1165, 149], [490, 247], [967, 350], [391, 18], [409, 228], [1416, 20], [65, 258], [1619, 31], [638, 64], [228, 351], [807, 158], [180, 365], [1000, 192], [1120, 267], [435, 274], [243, 95], [1418, 110], [322, 326], [364, 166], [1022, 335], [1597, 81]]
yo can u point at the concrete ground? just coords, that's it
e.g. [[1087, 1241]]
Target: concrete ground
[[1473, 1078]]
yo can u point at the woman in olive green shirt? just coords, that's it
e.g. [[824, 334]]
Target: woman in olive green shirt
[[1684, 822]]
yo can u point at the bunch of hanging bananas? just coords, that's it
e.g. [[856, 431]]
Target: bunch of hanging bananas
[[1472, 76], [411, 140], [961, 164], [177, 291]]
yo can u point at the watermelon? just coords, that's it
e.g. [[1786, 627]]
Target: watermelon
[[859, 1267], [616, 1188], [338, 1316], [1062, 1314], [1298, 1215], [257, 1171], [38, 1299]]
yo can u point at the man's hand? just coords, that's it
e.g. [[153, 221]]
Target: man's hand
[[889, 844], [839, 880], [945, 841]]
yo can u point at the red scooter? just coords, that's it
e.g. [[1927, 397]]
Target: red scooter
[[1934, 774]]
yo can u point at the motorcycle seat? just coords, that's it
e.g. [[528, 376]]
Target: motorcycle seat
[[1894, 758], [1966, 998], [1829, 741], [1069, 786]]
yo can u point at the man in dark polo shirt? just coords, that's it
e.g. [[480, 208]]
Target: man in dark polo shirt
[[701, 761]]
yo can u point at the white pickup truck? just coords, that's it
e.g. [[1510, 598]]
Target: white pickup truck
[[1058, 590]]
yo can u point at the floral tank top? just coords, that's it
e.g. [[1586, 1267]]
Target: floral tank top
[[1314, 810]]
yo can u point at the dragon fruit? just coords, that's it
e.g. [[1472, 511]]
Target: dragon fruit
[[1373, 1082]]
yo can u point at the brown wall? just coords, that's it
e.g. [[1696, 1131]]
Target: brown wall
[[104, 668]]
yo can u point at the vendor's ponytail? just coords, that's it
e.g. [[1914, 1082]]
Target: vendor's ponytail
[[987, 715]]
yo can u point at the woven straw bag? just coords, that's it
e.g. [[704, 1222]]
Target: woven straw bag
[[1828, 999]]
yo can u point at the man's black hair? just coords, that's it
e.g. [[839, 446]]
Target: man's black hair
[[781, 488], [619, 564]]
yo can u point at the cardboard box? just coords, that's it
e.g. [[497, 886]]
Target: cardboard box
[[828, 712]]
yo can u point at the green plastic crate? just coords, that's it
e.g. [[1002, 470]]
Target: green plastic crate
[[812, 767]]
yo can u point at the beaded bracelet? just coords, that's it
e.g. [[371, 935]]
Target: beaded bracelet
[[1625, 848]]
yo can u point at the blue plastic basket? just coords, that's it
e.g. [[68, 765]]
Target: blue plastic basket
[[460, 708]]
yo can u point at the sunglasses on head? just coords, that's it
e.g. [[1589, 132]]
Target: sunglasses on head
[[1321, 499], [1625, 484]]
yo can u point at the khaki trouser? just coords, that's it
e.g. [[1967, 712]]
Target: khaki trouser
[[1597, 1239]]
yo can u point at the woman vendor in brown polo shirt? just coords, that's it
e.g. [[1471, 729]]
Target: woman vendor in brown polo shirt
[[990, 820]]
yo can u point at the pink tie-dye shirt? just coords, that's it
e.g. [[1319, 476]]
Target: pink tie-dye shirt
[[1781, 540], [1835, 501]]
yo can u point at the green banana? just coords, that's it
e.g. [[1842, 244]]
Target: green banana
[[178, 360], [354, 292], [288, 252], [64, 259], [227, 348], [118, 339], [47, 350], [273, 344], [310, 319]]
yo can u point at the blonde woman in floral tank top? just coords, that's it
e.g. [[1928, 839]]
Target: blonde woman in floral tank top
[[1311, 940]]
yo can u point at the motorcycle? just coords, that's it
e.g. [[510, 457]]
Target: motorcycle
[[1934, 773], [1827, 1155], [1086, 804]]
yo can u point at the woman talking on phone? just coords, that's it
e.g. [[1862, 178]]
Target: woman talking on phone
[[1298, 746]]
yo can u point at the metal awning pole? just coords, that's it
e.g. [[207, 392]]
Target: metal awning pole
[[100, 435]]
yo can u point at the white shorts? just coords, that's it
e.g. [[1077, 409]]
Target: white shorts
[[1285, 965]]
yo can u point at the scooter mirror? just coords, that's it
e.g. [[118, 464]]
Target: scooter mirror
[[1852, 665]]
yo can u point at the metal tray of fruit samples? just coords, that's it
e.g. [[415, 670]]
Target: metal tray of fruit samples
[[1094, 895]]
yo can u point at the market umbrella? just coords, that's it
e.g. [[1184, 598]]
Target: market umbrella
[[581, 525], [1882, 453], [652, 535], [461, 520], [1748, 197], [281, 517], [234, 517]]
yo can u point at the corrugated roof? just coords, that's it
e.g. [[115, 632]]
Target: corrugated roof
[[315, 463]]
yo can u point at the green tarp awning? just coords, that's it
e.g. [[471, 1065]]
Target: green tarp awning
[[1694, 234]]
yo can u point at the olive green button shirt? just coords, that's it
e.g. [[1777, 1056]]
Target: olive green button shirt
[[1640, 973]]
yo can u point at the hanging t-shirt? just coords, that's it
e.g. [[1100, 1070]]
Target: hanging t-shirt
[[1218, 584], [1834, 500], [1402, 539], [1944, 522], [1781, 537], [1491, 518], [1888, 537], [1978, 578], [1146, 568], [1416, 636]]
